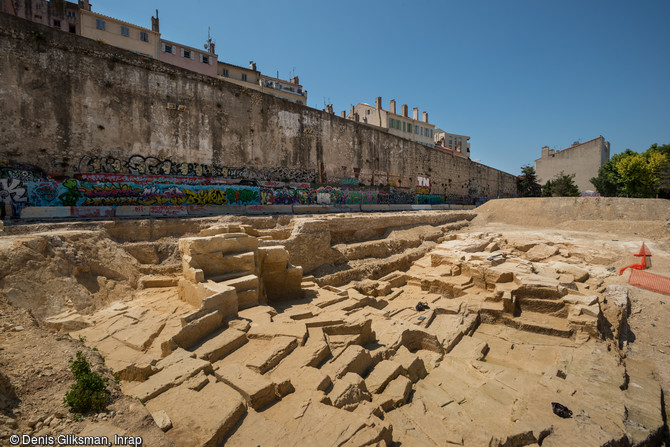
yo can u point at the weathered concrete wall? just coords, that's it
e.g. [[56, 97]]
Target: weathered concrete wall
[[582, 160], [73, 105]]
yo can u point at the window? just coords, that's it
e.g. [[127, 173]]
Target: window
[[71, 14], [57, 23], [421, 127], [224, 73], [409, 127], [167, 48], [204, 59], [73, 29], [100, 24], [125, 31], [298, 102], [416, 130], [244, 76], [390, 123], [404, 126], [144, 36], [186, 53]]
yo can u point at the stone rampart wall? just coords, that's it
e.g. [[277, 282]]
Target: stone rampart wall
[[87, 124]]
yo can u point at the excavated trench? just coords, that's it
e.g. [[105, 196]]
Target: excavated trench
[[254, 331]]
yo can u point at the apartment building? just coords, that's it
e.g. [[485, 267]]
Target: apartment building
[[190, 58], [581, 159], [120, 34], [459, 143], [252, 78], [401, 125], [55, 13]]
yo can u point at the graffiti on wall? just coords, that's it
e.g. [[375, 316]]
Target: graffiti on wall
[[422, 185], [141, 165], [72, 192], [14, 178], [151, 181]]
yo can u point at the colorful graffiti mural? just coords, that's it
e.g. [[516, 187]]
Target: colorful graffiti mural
[[148, 181], [72, 192]]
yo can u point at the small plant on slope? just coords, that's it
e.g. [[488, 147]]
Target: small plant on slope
[[89, 392]]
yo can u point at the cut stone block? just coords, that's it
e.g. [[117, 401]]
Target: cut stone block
[[200, 418], [140, 336], [207, 297], [308, 379], [469, 348], [349, 391], [247, 290], [413, 366], [221, 345], [258, 390], [354, 359], [162, 419], [297, 330], [198, 329], [396, 393], [382, 374], [540, 252], [175, 356], [273, 256], [270, 357], [206, 257], [168, 378], [360, 329], [147, 282]]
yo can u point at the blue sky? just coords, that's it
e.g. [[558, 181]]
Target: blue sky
[[515, 75]]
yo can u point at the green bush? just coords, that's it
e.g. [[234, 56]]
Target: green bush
[[89, 392]]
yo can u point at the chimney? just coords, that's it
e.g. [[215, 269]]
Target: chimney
[[425, 117], [351, 112], [415, 113], [154, 22], [343, 114], [295, 80], [85, 5], [403, 110], [392, 106], [378, 103], [211, 48], [252, 65]]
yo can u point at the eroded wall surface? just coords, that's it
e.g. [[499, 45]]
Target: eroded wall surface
[[85, 123]]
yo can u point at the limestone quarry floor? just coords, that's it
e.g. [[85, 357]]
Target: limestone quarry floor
[[357, 364]]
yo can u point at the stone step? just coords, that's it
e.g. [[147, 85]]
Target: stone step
[[273, 354], [258, 390], [155, 281], [545, 306], [538, 323], [194, 331], [169, 377], [247, 290], [221, 344]]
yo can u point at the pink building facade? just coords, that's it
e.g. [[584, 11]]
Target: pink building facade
[[200, 61]]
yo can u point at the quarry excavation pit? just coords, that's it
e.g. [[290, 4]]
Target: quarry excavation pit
[[306, 330]]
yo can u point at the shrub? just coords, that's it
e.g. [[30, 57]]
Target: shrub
[[89, 392]]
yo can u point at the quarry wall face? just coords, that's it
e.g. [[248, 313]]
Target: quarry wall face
[[85, 124]]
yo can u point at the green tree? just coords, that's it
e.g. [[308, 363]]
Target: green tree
[[562, 185], [632, 174], [526, 183]]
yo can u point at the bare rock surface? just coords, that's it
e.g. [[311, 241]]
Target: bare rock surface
[[203, 331]]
